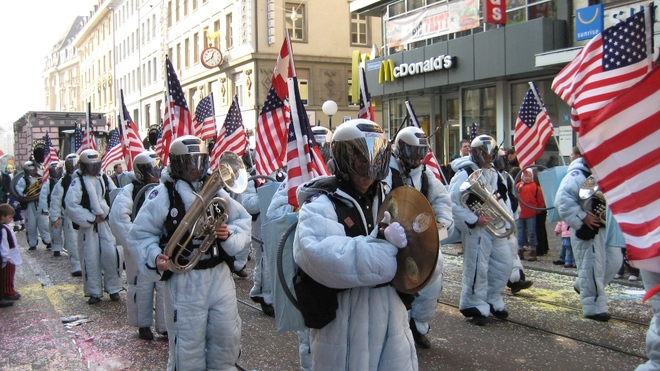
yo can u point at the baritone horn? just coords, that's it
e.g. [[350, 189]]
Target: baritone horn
[[205, 215], [30, 193], [480, 201], [593, 201]]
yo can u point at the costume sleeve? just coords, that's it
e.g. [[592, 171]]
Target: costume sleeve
[[567, 199], [55, 209], [20, 186], [440, 201], [249, 199], [120, 214], [144, 236], [460, 213], [74, 210], [322, 250]]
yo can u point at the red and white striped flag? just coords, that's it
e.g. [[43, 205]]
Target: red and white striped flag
[[272, 130], [610, 63], [533, 128], [204, 120], [178, 120], [429, 160], [87, 140], [232, 136], [129, 135], [284, 68], [114, 150], [621, 145], [51, 156], [366, 110], [304, 159]]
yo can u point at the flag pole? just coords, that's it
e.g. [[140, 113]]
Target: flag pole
[[538, 99]]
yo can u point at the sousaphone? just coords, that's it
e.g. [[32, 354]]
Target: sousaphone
[[416, 262]]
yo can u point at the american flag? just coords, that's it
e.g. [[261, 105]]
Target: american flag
[[51, 156], [272, 130], [366, 110], [204, 120], [620, 143], [86, 139], [304, 160], [232, 136], [533, 128], [430, 161], [610, 63], [178, 120], [160, 145], [113, 152], [473, 131], [284, 68], [129, 136]]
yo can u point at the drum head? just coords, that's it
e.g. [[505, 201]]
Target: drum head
[[416, 262]]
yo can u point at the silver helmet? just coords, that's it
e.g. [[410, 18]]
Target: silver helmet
[[411, 146], [70, 163], [30, 168], [189, 158], [483, 150], [89, 162], [360, 147], [147, 167]]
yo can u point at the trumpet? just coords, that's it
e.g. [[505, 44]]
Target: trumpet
[[477, 198], [205, 215]]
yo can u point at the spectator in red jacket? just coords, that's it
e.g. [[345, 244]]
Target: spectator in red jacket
[[531, 197]]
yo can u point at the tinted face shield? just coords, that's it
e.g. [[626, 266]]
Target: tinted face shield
[[190, 167], [367, 157], [150, 172], [90, 169], [412, 156]]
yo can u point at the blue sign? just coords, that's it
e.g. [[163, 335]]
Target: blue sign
[[589, 22]]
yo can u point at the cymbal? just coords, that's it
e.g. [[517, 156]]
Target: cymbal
[[416, 262]]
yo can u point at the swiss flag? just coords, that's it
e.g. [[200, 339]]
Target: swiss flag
[[283, 69]]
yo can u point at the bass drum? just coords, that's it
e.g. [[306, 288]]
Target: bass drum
[[416, 262], [31, 192]]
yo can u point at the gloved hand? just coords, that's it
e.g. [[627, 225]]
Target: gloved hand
[[394, 233]]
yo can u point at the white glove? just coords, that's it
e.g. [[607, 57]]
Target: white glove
[[394, 233]]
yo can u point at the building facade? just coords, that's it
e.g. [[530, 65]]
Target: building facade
[[476, 72]]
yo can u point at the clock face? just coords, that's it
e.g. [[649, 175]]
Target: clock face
[[211, 57]]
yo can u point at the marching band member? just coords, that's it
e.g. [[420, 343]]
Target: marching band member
[[203, 325], [35, 223], [147, 167], [487, 259], [407, 168], [593, 258], [45, 199], [346, 259], [59, 218], [88, 206]]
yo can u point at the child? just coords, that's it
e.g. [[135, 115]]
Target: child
[[566, 254], [529, 194], [11, 256]]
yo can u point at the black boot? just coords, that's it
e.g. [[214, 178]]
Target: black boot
[[420, 339], [146, 334]]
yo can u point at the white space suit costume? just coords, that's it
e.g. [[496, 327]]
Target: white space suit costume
[[56, 212], [593, 258], [201, 312], [45, 199], [410, 149], [36, 223], [370, 328], [100, 257], [487, 260]]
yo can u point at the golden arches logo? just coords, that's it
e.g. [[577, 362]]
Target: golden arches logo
[[386, 72], [579, 15]]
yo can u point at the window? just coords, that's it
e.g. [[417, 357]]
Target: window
[[216, 29], [176, 11], [296, 21], [185, 8], [155, 70], [358, 29], [186, 52], [229, 35], [304, 91], [194, 5], [169, 14], [196, 48], [351, 102], [238, 87], [479, 107], [178, 57]]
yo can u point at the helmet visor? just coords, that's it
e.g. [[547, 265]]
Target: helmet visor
[[90, 169], [190, 167], [367, 157], [149, 172], [412, 155]]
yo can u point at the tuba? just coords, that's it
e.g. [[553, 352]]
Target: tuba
[[30, 193], [480, 201], [205, 215], [593, 201]]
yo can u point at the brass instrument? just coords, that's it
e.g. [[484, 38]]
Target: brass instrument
[[206, 214], [417, 261], [30, 193], [477, 198], [593, 201]]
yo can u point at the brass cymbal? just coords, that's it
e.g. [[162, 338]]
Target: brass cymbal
[[416, 262]]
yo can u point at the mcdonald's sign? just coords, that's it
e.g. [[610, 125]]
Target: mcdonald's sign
[[389, 72]]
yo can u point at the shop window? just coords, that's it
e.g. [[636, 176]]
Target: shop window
[[479, 106]]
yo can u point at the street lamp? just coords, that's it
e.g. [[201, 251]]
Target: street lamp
[[329, 108]]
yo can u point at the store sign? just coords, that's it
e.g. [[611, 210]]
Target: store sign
[[389, 72], [495, 11], [589, 22]]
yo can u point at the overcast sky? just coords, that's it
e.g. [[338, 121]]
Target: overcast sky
[[29, 29]]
